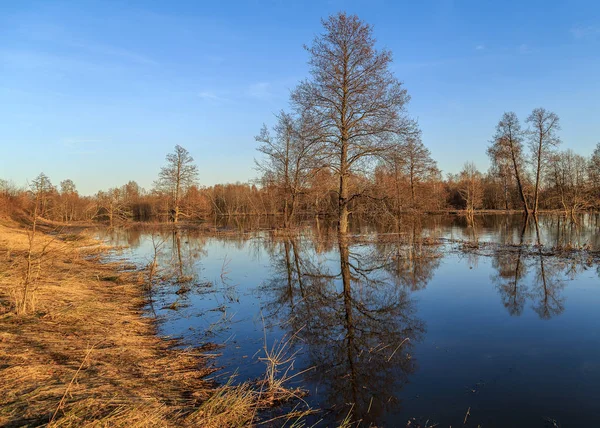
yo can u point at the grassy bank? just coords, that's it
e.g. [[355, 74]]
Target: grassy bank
[[82, 353]]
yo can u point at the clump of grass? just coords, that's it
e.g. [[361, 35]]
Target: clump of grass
[[184, 279], [279, 360], [230, 406]]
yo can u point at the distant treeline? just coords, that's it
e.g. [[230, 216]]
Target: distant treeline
[[570, 183], [347, 147]]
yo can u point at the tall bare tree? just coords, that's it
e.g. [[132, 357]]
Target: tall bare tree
[[358, 102], [507, 146], [176, 176], [542, 139]]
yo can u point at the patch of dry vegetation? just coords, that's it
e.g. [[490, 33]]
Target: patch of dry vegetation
[[83, 354]]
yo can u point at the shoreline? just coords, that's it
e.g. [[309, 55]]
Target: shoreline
[[85, 353]]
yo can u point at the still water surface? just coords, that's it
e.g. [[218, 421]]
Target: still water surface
[[418, 320]]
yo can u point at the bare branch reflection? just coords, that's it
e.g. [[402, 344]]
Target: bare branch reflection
[[357, 324]]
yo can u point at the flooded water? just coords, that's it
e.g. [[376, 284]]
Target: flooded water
[[421, 320]]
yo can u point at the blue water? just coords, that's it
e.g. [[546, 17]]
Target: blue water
[[399, 322]]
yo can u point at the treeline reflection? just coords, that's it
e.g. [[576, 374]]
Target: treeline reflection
[[538, 275], [350, 300]]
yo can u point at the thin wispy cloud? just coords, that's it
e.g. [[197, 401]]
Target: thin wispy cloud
[[259, 90], [62, 36], [211, 96], [113, 51], [582, 32], [32, 60], [480, 47]]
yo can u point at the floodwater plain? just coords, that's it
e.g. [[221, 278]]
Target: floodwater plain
[[428, 320]]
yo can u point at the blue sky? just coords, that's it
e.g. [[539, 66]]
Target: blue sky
[[100, 92]]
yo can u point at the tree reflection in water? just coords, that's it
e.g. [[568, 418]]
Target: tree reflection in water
[[356, 324], [349, 299], [408, 256], [509, 280], [546, 282]]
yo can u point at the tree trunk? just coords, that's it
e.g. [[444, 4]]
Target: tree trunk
[[505, 185], [343, 196], [537, 178], [285, 213], [343, 206], [412, 187], [177, 190], [519, 184], [397, 183]]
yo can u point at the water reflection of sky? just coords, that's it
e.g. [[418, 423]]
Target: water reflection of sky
[[513, 336]]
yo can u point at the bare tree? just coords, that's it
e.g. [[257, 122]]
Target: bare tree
[[7, 194], [39, 188], [470, 188], [358, 102], [176, 176], [112, 206], [501, 168], [542, 139], [568, 174], [507, 146], [291, 156], [68, 198], [42, 188], [594, 172], [416, 164]]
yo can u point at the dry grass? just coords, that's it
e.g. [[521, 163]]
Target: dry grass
[[85, 355], [230, 406], [279, 360]]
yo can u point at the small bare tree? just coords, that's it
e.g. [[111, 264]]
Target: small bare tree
[[292, 155], [507, 147], [356, 100], [568, 174], [471, 188], [542, 140], [33, 257], [112, 205], [176, 177], [415, 163], [500, 168], [42, 188], [68, 197]]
